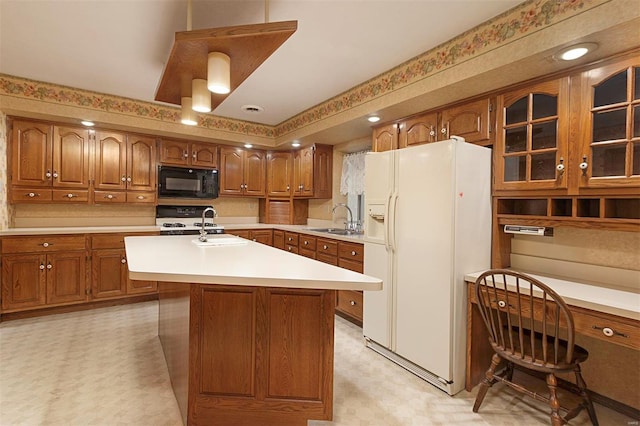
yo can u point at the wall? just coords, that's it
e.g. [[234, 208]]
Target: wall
[[6, 210]]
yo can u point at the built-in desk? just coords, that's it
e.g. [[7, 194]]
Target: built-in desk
[[602, 313]]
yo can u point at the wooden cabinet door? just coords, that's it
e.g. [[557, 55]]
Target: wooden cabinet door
[[385, 138], [533, 137], [418, 130], [306, 171], [141, 163], [31, 154], [108, 274], [110, 161], [23, 281], [70, 157], [263, 236], [255, 174], [174, 152], [231, 171], [323, 172], [204, 155], [278, 239], [470, 121], [609, 155], [279, 174], [66, 277]]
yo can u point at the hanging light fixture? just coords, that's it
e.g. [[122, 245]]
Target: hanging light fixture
[[187, 115], [200, 95], [219, 73]]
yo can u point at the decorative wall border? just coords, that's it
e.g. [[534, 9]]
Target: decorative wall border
[[522, 20]]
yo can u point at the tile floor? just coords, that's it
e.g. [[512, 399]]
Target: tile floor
[[105, 367]]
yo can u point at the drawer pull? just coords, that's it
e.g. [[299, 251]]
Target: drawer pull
[[46, 244], [352, 302], [502, 303], [70, 195], [109, 197], [306, 243], [290, 239], [123, 261], [609, 332], [353, 253], [32, 194], [290, 248], [140, 197], [326, 247]]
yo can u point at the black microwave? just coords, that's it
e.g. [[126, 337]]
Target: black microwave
[[178, 182]]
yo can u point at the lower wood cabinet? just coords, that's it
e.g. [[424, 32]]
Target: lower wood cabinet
[[56, 270], [263, 236]]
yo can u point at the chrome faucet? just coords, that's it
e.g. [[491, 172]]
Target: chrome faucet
[[203, 233], [348, 225]]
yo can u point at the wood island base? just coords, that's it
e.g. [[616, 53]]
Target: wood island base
[[242, 355]]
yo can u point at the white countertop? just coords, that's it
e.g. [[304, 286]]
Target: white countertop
[[176, 258], [617, 302]]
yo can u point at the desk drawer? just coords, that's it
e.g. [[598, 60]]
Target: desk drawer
[[610, 328]]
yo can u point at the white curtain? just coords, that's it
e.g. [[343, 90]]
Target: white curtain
[[352, 180]]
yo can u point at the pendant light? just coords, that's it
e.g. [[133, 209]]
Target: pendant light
[[200, 95], [219, 73], [187, 115]]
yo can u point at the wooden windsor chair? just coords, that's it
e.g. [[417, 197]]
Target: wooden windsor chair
[[533, 333]]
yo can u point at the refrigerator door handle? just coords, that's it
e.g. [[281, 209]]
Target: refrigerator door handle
[[387, 222], [392, 220]]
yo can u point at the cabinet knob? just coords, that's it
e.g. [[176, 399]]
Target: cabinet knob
[[306, 243], [32, 195], [290, 239], [41, 267], [55, 174], [128, 178], [584, 165], [70, 195], [432, 132], [48, 174], [353, 253], [352, 302], [502, 303], [49, 266], [185, 154], [560, 167], [443, 130], [45, 244], [609, 332], [140, 197], [288, 187], [194, 155], [290, 248], [123, 261], [326, 247], [109, 197], [123, 178], [254, 239]]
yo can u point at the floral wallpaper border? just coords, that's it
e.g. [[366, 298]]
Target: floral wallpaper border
[[524, 19]]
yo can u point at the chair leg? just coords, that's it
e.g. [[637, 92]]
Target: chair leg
[[509, 373], [585, 396], [487, 382], [552, 383]]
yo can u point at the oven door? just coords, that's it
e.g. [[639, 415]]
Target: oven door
[[176, 182]]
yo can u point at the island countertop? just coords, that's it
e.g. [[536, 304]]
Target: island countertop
[[178, 259]]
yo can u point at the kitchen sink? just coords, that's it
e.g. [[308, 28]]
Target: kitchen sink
[[334, 231], [220, 240]]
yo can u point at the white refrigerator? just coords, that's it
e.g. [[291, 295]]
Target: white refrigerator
[[428, 222]]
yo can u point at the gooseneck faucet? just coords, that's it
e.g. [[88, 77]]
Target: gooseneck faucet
[[203, 233], [349, 224]]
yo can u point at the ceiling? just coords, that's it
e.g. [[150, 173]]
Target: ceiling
[[119, 47]]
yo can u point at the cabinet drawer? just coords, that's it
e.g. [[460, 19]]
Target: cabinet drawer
[[31, 195], [141, 197], [307, 253], [327, 258], [43, 244], [291, 239], [351, 251], [70, 196], [611, 329], [351, 265], [327, 247], [242, 233], [109, 197], [107, 242], [350, 302], [291, 249], [307, 242]]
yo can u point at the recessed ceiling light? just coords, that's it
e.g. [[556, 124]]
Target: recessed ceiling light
[[252, 109], [248, 145], [295, 144], [87, 123], [576, 51], [373, 119]]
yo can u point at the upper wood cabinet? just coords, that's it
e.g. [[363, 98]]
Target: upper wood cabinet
[[45, 157], [385, 138], [279, 174], [181, 153], [242, 172], [609, 129], [472, 121], [533, 136], [313, 172], [124, 163]]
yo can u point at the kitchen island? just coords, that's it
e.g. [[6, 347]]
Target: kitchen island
[[246, 329]]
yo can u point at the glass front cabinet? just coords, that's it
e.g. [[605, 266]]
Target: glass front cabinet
[[610, 132], [533, 135]]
